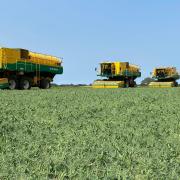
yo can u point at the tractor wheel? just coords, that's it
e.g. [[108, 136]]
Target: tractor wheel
[[25, 84], [45, 84], [13, 83]]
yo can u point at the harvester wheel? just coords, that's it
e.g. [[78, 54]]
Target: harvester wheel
[[135, 85], [176, 84], [45, 84], [13, 83], [126, 84], [25, 84], [132, 83]]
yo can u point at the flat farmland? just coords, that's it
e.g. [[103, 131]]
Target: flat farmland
[[84, 133]]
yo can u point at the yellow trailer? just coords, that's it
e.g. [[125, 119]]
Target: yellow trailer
[[24, 68]]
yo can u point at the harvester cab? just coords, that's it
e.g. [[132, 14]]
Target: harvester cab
[[116, 75], [107, 69], [165, 77]]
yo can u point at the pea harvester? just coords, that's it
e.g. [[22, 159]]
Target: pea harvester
[[117, 75], [165, 77]]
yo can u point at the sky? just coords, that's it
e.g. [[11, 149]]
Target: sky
[[86, 32]]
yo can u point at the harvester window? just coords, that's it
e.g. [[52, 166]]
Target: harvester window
[[107, 69], [161, 73]]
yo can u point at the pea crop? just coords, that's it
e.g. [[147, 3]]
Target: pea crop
[[84, 133]]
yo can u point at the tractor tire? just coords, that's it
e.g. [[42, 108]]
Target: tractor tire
[[25, 83], [13, 83], [45, 84]]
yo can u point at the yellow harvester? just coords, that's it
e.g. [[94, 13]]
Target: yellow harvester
[[165, 77], [117, 75]]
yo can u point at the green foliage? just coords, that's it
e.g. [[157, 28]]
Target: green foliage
[[83, 133]]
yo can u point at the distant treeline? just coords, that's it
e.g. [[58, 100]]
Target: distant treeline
[[65, 85]]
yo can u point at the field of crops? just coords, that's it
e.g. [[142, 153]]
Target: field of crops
[[82, 133]]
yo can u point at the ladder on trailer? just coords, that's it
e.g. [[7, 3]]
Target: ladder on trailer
[[38, 72]]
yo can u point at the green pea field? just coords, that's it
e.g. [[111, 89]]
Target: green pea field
[[83, 133]]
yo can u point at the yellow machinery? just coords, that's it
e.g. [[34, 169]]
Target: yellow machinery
[[164, 77], [117, 75], [24, 68]]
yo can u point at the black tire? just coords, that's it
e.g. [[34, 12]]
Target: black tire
[[25, 83], [175, 84], [127, 84], [13, 83], [132, 83], [45, 84]]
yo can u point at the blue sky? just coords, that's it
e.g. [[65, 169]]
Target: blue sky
[[85, 32]]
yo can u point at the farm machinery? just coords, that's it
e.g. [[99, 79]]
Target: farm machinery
[[165, 77], [117, 75], [22, 69]]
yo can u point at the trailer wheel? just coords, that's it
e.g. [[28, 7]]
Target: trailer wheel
[[45, 84], [25, 84], [13, 83]]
